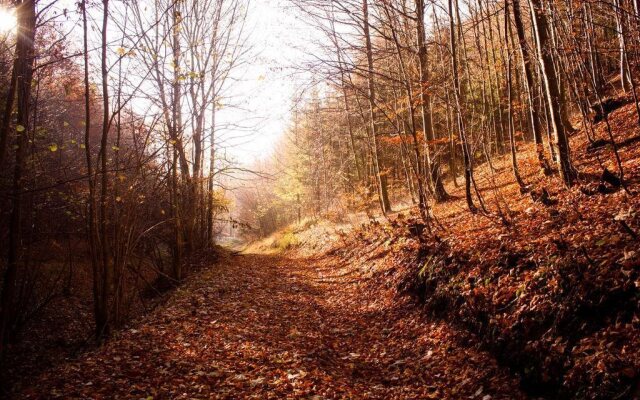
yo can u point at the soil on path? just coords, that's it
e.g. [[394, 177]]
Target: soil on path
[[271, 327]]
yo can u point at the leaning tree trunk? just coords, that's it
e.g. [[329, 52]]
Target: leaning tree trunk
[[527, 65], [552, 91], [411, 126]]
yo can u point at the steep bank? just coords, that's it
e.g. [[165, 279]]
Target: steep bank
[[549, 279]]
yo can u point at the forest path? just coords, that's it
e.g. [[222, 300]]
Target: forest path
[[266, 326]]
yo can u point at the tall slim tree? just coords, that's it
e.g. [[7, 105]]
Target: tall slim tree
[[432, 152], [528, 68], [381, 178], [466, 156], [552, 90], [23, 71]]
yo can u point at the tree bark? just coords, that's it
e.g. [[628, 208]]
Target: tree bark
[[102, 318], [458, 105], [527, 65], [432, 153], [6, 116], [23, 70], [383, 193], [512, 141], [552, 91]]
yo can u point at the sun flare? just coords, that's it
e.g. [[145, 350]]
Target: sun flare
[[7, 20]]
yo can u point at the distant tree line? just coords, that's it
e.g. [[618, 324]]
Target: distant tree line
[[412, 94]]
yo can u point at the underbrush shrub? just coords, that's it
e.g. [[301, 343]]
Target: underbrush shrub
[[336, 216], [305, 224], [285, 241]]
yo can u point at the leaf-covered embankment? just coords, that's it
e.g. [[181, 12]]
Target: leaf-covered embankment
[[550, 284]]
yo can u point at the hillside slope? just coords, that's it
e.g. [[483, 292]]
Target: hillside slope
[[549, 279]]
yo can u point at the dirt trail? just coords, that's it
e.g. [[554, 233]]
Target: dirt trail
[[257, 326]]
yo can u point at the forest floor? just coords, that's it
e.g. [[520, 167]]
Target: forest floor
[[270, 326]]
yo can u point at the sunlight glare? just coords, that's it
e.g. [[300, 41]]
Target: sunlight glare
[[7, 20]]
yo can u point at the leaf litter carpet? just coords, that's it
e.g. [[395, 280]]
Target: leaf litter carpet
[[271, 327]]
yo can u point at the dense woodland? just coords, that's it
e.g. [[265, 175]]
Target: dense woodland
[[441, 127], [409, 96], [108, 149]]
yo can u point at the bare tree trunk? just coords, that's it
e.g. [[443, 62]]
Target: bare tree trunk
[[456, 92], [177, 220], [594, 55], [552, 91], [432, 162], [383, 193], [188, 179], [500, 135], [626, 69], [527, 61], [625, 72], [512, 141], [558, 64], [23, 70], [347, 111], [449, 118], [212, 157], [418, 169], [102, 319], [6, 116], [91, 201]]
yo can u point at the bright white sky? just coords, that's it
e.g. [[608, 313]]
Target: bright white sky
[[267, 84]]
